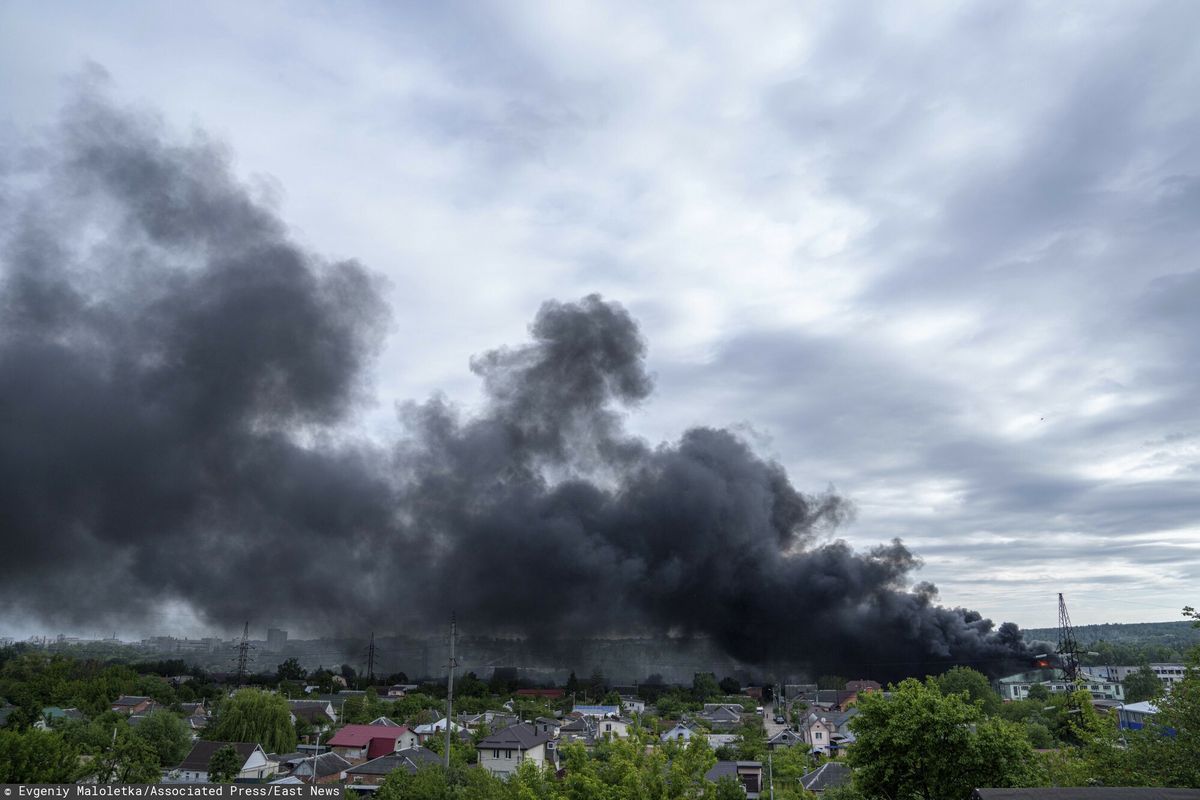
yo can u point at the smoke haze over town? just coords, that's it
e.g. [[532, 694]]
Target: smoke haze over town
[[495, 336]]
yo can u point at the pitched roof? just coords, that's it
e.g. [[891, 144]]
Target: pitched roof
[[129, 700], [202, 753], [384, 721], [361, 735], [327, 764], [523, 736], [831, 773], [409, 759]]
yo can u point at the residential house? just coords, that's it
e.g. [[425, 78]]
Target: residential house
[[362, 742], [400, 690], [504, 751], [862, 686], [748, 773], [828, 732], [373, 772], [785, 738], [721, 716], [827, 776], [319, 713], [386, 721], [716, 740], [431, 729], [327, 766], [131, 704], [597, 711], [799, 691], [578, 729], [632, 704], [194, 709], [680, 732], [548, 726], [609, 728], [194, 767]]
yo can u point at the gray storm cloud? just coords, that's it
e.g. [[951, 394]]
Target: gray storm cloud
[[176, 373]]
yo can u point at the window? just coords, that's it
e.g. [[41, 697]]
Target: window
[[508, 753], [818, 735], [495, 754]]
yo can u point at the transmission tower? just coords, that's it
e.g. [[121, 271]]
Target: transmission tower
[[243, 654], [371, 661], [1068, 647]]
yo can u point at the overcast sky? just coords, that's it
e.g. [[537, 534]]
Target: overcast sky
[[941, 256]]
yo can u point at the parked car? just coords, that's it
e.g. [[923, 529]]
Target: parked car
[[779, 720]]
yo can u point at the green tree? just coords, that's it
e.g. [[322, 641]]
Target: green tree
[[964, 680], [705, 687], [919, 744], [730, 685], [1169, 748], [727, 788], [257, 717], [1039, 692], [167, 735], [290, 670], [1142, 685], [37, 757], [224, 765], [126, 759]]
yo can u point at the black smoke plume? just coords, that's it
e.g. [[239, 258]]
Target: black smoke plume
[[175, 378]]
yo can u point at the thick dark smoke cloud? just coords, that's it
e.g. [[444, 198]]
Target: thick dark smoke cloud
[[175, 372]]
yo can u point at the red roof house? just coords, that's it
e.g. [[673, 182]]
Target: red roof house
[[371, 741]]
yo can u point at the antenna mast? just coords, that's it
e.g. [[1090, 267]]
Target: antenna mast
[[1068, 647], [371, 661], [450, 686]]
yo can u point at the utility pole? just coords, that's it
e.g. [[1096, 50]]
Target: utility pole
[[450, 686], [243, 654], [371, 661]]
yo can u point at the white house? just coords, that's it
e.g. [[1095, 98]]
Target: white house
[[504, 751], [424, 732], [827, 732], [631, 704], [194, 767], [681, 732], [613, 728]]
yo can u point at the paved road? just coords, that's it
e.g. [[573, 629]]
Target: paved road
[[769, 720]]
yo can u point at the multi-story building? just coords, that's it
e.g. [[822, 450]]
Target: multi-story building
[[1016, 687], [1169, 674]]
